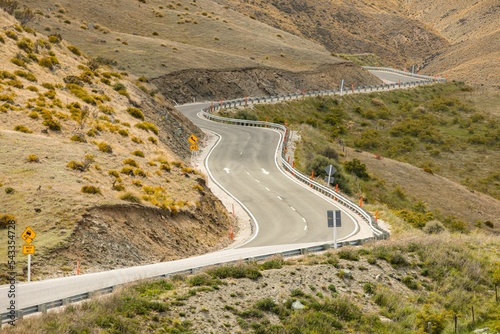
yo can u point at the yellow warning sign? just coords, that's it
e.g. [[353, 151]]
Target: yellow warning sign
[[28, 235], [193, 139], [28, 249], [193, 147]]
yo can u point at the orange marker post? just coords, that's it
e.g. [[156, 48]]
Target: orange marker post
[[361, 202], [78, 267], [376, 216], [337, 187]]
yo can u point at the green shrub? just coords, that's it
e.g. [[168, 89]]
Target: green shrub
[[9, 190], [22, 128], [90, 190], [267, 305], [236, 271], [153, 140], [348, 254], [135, 112]]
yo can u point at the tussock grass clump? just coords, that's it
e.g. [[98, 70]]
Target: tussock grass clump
[[26, 75], [22, 128], [135, 112], [130, 162], [32, 158], [78, 138], [137, 140], [130, 197], [91, 190], [49, 62], [147, 126], [105, 147], [74, 50], [127, 170], [138, 154]]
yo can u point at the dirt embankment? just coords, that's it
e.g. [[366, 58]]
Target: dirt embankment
[[116, 236], [201, 84]]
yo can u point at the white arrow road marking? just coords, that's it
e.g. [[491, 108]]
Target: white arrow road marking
[[264, 171], [226, 170]]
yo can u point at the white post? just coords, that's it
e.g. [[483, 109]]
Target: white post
[[328, 180], [29, 267], [341, 86]]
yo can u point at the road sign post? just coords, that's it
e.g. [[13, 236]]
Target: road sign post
[[334, 220], [28, 235], [330, 170]]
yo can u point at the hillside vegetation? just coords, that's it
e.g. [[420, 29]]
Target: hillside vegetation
[[95, 162], [388, 287], [436, 134]]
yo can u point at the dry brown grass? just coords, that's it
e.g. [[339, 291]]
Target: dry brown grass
[[220, 39]]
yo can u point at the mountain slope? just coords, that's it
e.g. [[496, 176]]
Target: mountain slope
[[473, 31], [80, 146]]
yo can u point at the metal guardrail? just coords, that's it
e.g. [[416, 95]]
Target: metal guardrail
[[378, 232]]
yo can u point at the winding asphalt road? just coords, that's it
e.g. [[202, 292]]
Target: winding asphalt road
[[244, 163]]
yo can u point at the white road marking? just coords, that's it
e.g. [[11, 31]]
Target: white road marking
[[264, 171], [268, 189], [305, 228], [293, 208], [226, 170], [280, 198], [304, 220]]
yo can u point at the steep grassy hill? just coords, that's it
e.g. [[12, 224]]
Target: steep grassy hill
[[81, 146], [349, 27], [473, 32]]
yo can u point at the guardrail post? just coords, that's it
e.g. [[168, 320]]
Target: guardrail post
[[42, 308], [65, 301], [19, 314]]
